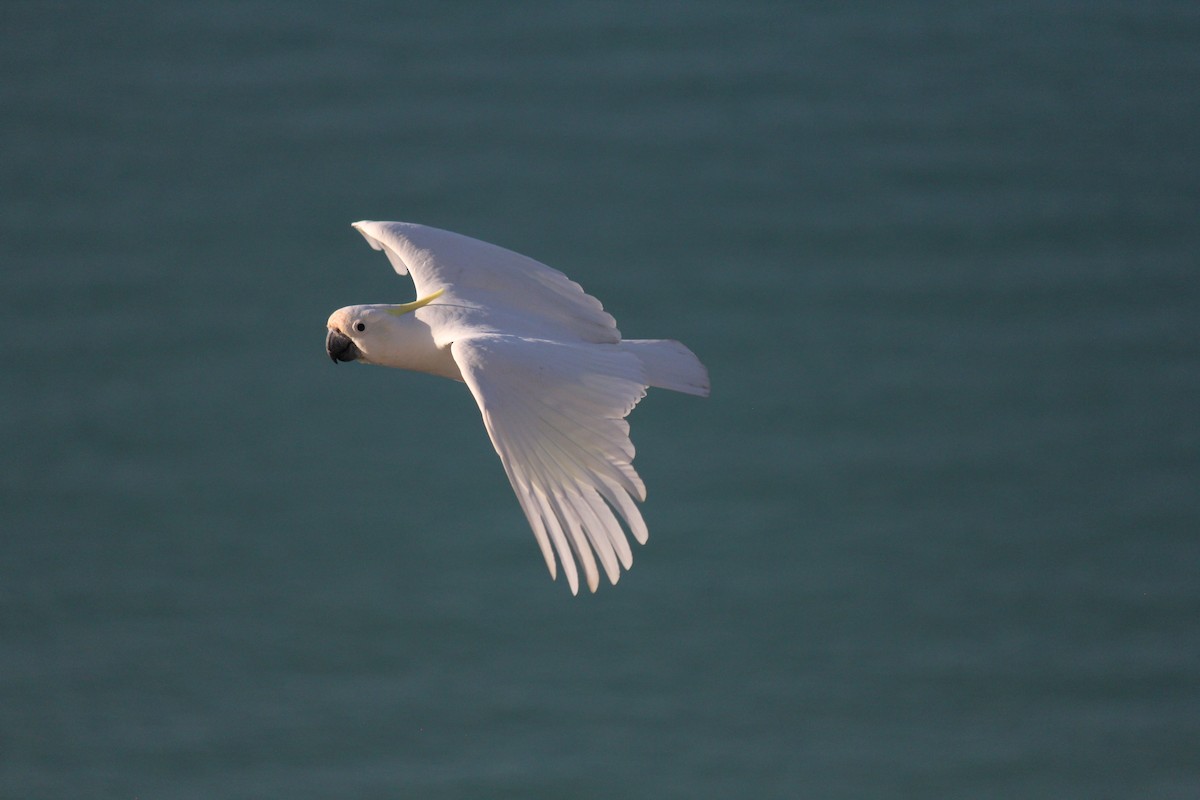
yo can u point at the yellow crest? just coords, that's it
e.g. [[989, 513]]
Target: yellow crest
[[404, 308]]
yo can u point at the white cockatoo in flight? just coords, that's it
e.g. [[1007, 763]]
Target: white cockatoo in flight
[[552, 376]]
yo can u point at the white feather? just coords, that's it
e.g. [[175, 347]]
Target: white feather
[[553, 379]]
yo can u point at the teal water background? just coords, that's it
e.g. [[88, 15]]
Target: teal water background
[[935, 534]]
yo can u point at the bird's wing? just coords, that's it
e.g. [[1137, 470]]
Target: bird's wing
[[555, 413], [490, 288]]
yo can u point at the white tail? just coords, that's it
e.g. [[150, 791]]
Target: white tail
[[669, 365]]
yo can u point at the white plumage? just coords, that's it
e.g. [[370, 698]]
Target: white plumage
[[549, 370]]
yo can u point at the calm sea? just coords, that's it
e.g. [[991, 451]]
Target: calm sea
[[936, 534]]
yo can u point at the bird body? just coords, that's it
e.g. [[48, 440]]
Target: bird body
[[549, 370]]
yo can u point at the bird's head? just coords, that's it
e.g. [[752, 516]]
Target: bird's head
[[352, 331], [368, 333]]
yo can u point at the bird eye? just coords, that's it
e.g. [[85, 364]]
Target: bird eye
[[360, 326]]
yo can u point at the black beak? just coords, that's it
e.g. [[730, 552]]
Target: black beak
[[340, 347]]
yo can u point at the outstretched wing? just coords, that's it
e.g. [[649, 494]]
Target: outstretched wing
[[555, 413], [487, 287]]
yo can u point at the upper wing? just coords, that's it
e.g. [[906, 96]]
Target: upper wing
[[555, 414], [488, 287]]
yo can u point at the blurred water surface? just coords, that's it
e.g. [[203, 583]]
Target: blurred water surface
[[933, 535]]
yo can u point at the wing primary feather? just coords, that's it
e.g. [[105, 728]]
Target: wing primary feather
[[559, 534], [578, 539], [523, 492], [602, 534], [617, 535], [621, 471], [542, 520], [559, 538], [539, 529], [567, 522], [623, 467], [617, 497], [605, 477], [555, 414]]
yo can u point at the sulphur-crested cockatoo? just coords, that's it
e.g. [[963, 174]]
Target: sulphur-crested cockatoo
[[549, 370]]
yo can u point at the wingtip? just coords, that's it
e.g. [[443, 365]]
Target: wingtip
[[361, 227]]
